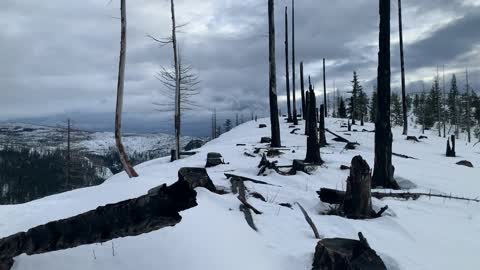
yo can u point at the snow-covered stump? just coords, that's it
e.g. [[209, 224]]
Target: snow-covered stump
[[341, 254], [196, 177], [214, 159], [151, 212]]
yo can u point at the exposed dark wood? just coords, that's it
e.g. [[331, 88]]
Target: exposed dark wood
[[309, 221], [156, 210], [412, 138], [196, 177], [127, 166], [325, 108], [451, 148], [322, 137], [275, 125], [358, 203], [243, 178], [402, 69], [176, 62], [404, 156], [214, 159], [338, 137], [334, 196], [295, 116], [383, 169], [287, 70], [313, 148], [294, 130], [342, 254]]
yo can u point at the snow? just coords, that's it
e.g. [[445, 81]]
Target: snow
[[429, 233]]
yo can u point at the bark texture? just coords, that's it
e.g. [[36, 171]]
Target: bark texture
[[275, 125], [402, 66], [313, 148], [358, 201], [322, 137]]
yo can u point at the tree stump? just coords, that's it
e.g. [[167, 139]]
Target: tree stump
[[265, 140], [196, 177], [346, 254], [262, 126], [358, 201], [451, 149], [412, 138], [214, 159]]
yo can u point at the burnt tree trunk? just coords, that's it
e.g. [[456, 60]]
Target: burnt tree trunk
[[127, 166], [352, 100], [302, 89], [275, 125], [295, 119], [307, 108], [451, 148], [156, 210], [402, 66], [383, 169], [322, 137], [287, 68], [325, 90], [313, 149], [358, 200]]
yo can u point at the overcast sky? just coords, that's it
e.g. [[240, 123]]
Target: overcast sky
[[60, 57]]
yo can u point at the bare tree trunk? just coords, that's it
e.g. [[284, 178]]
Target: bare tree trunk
[[120, 86], [325, 90], [302, 88], [402, 64], [383, 169], [322, 137], [295, 120], [177, 81], [313, 148], [275, 125], [443, 105], [287, 74]]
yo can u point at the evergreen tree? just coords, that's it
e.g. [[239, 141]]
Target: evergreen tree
[[453, 102], [342, 110], [396, 116], [362, 104], [228, 125], [353, 105], [373, 105], [432, 111]]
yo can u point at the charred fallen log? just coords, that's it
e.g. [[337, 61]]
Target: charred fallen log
[[156, 210]]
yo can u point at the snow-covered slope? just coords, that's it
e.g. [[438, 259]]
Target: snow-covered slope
[[429, 233]]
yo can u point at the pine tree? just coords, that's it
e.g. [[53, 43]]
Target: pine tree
[[373, 106], [353, 106], [452, 103], [396, 116], [342, 110], [362, 105], [228, 125]]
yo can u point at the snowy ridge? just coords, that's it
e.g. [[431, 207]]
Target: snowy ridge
[[429, 233]]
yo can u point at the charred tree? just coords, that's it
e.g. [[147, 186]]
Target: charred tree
[[307, 107], [358, 199], [325, 90], [383, 169], [287, 68], [295, 119], [274, 122], [402, 66], [322, 137], [127, 166], [302, 89], [313, 148], [177, 80], [451, 147]]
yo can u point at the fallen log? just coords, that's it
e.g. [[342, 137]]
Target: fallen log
[[309, 221], [156, 210], [404, 156], [412, 138], [245, 207], [334, 196], [338, 138], [294, 130], [243, 178]]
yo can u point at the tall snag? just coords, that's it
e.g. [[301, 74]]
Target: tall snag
[[313, 148], [383, 169], [402, 65], [177, 81], [325, 90], [322, 138], [275, 126], [302, 88], [127, 166], [295, 119], [287, 74]]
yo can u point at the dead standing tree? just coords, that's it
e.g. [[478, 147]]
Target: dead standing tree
[[287, 75], [402, 65], [127, 166], [383, 169], [313, 148], [302, 89], [274, 122], [295, 119], [322, 137], [324, 91]]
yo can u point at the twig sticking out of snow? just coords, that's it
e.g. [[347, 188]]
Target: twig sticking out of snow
[[309, 221]]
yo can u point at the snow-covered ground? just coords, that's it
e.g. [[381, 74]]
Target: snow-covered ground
[[429, 233]]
